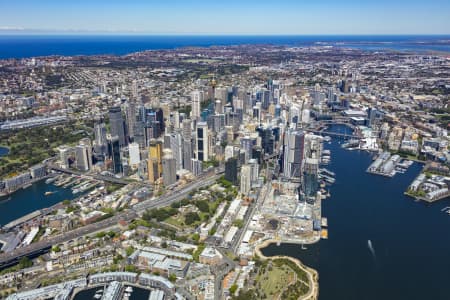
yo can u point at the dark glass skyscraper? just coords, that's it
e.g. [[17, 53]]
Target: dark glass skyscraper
[[231, 170], [117, 124], [114, 149]]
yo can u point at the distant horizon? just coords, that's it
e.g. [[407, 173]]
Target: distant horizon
[[130, 33], [231, 17]]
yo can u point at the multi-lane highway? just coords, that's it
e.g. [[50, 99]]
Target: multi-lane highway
[[10, 258]]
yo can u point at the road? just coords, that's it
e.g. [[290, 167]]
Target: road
[[10, 258], [94, 176]]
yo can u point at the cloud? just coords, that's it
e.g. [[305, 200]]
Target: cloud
[[11, 28]]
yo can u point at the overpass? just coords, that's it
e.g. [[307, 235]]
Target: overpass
[[335, 134], [92, 176]]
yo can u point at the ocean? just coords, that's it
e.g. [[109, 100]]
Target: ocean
[[23, 46]]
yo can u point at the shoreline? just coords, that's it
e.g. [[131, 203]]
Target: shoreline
[[313, 275]]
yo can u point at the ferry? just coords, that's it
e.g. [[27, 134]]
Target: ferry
[[5, 200], [26, 186], [327, 172], [51, 179], [350, 144]]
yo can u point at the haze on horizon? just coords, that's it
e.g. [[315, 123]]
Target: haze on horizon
[[261, 17]]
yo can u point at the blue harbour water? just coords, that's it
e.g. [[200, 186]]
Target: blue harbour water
[[32, 198], [409, 257], [3, 151], [21, 46]]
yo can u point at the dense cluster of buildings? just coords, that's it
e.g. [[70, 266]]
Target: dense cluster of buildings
[[163, 129]]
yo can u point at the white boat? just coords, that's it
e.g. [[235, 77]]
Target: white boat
[[97, 296], [129, 289]]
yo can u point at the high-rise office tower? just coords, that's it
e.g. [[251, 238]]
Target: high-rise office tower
[[83, 155], [267, 139], [294, 143], [187, 128], [130, 114], [246, 179], [154, 160], [135, 156], [254, 166], [100, 142], [187, 154], [173, 141], [114, 150], [169, 168], [202, 142], [134, 90], [117, 125], [196, 166], [247, 144], [197, 98], [231, 170], [311, 179]]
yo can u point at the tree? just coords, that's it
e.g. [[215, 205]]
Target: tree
[[129, 251], [233, 289], [195, 237], [238, 223], [172, 277], [191, 218], [25, 262], [202, 205]]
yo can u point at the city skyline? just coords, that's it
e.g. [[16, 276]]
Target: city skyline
[[201, 17]]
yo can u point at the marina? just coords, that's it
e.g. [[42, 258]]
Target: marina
[[25, 201], [388, 165], [377, 211]]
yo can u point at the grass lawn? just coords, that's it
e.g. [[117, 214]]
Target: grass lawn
[[274, 280]]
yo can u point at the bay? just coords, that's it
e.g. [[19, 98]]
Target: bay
[[32, 198], [23, 45], [408, 255]]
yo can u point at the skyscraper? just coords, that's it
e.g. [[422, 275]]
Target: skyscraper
[[114, 150], [310, 179], [187, 154], [169, 168], [154, 160], [174, 142], [231, 170], [294, 143], [117, 125], [202, 142], [130, 114], [135, 157], [197, 99], [100, 142], [246, 179], [83, 155]]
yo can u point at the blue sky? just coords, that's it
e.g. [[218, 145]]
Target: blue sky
[[228, 17]]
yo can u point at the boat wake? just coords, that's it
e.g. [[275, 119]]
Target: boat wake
[[371, 249]]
